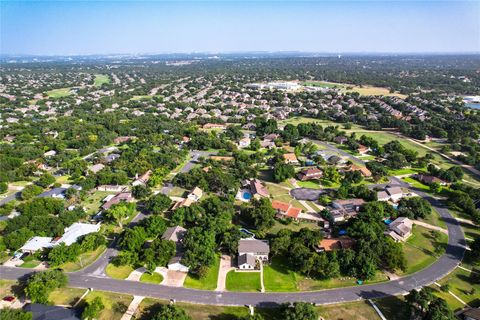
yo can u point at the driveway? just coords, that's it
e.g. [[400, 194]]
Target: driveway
[[175, 278], [225, 266]]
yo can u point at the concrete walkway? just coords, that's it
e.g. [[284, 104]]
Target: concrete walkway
[[132, 308], [136, 274], [262, 285], [225, 267], [380, 314], [453, 295], [431, 227]]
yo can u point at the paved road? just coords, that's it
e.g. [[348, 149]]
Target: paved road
[[193, 161], [10, 198], [93, 277]]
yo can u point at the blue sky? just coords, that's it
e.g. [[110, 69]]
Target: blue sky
[[102, 27]]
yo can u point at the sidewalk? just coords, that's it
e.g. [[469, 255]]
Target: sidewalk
[[132, 308]]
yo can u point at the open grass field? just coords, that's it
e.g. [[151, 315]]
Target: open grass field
[[243, 281], [65, 296], [365, 90], [416, 184], [101, 79], [6, 287], [195, 311], [361, 310], [209, 282], [154, 278], [83, 260], [121, 272], [420, 249], [461, 284], [116, 304], [294, 226], [279, 278], [59, 93], [309, 184]]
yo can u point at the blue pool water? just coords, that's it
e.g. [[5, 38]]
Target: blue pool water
[[387, 221], [342, 232], [246, 195]]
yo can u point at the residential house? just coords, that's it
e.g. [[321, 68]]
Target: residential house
[[58, 193], [310, 174], [395, 193], [143, 179], [400, 229], [214, 126], [290, 158], [111, 188], [285, 209], [340, 139], [176, 234], [251, 250], [345, 209], [244, 143], [195, 194], [119, 140], [75, 231], [256, 188], [48, 312], [122, 196], [36, 243], [363, 170], [363, 149], [96, 167], [383, 196], [470, 314], [429, 179], [336, 244]]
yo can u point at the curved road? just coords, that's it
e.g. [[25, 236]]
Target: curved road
[[93, 277]]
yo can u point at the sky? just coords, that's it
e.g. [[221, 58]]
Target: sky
[[342, 26]]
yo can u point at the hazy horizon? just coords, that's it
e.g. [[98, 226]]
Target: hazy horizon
[[167, 27]]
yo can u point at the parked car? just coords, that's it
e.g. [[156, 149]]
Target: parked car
[[9, 298]]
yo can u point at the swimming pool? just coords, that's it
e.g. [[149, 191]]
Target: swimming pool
[[246, 195]]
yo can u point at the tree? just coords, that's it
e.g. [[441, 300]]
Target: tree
[[15, 314], [141, 192], [425, 305], [17, 238], [3, 187], [93, 309], [120, 211], [414, 207], [255, 316], [31, 191], [475, 247], [62, 253], [45, 180], [199, 248], [261, 214], [170, 312], [41, 284], [158, 254], [300, 311], [282, 172], [158, 203]]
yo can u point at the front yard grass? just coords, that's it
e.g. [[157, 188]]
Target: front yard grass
[[462, 285], [209, 282], [121, 272], [361, 310], [83, 260], [308, 184], [435, 219], [116, 304], [155, 278], [94, 200], [394, 308], [243, 281], [421, 249], [65, 296]]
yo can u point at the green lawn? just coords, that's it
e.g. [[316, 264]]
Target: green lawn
[[420, 250], [416, 184], [308, 184], [155, 278], [83, 260], [277, 277], [209, 282], [243, 281], [461, 284], [101, 79], [121, 272], [294, 226], [360, 310], [59, 93], [177, 192], [393, 308], [30, 263], [196, 311], [116, 304], [93, 201], [65, 296]]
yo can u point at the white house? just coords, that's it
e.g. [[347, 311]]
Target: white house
[[244, 143], [400, 229], [35, 244], [395, 193], [176, 234], [76, 231], [195, 194]]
